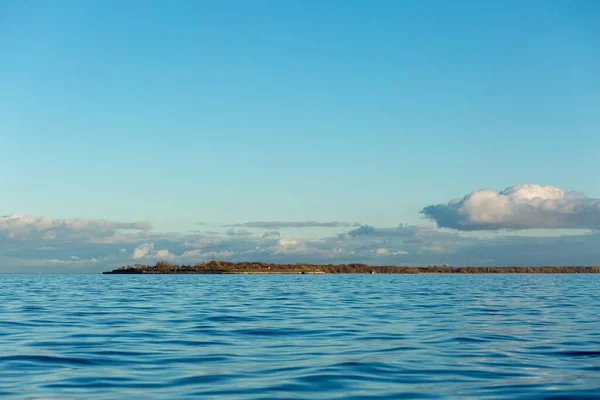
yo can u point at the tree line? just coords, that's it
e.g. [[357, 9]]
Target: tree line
[[224, 267]]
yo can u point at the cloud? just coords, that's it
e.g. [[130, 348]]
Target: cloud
[[44, 265], [404, 245], [199, 254], [363, 230], [224, 254], [518, 207], [27, 227], [289, 242], [73, 261], [239, 232], [400, 231], [271, 235], [295, 224], [142, 250], [203, 242], [163, 254], [146, 250], [288, 246], [385, 252], [381, 251]]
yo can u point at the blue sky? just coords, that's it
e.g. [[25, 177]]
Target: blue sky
[[232, 112]]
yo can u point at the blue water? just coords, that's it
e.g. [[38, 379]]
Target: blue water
[[299, 336]]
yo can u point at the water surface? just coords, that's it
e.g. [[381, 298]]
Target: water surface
[[299, 336]]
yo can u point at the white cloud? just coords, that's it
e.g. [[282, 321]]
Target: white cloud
[[27, 227], [385, 252], [410, 245], [288, 246], [76, 261], [192, 253], [147, 251], [527, 206], [142, 250], [224, 254], [382, 252], [289, 242], [163, 254]]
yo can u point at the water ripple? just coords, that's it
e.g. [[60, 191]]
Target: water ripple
[[299, 336]]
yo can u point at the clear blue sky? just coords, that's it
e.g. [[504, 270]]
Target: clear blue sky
[[236, 111]]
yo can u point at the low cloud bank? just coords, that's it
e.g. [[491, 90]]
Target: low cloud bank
[[27, 227], [239, 232], [295, 224], [46, 244]]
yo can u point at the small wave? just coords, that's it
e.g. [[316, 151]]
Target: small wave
[[350, 337], [37, 359]]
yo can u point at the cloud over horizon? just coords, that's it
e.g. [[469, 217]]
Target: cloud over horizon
[[27, 227], [295, 224], [519, 207], [45, 244], [238, 232]]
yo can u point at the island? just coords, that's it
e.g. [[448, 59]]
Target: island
[[223, 267]]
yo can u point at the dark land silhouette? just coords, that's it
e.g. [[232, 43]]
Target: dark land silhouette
[[222, 267]]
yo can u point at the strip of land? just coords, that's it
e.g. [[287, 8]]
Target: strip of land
[[222, 267]]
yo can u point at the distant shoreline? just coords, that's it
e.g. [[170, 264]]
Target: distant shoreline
[[244, 268]]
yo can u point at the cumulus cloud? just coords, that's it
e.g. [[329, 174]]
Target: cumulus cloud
[[142, 250], [526, 206], [146, 250], [27, 227], [295, 224], [163, 254]]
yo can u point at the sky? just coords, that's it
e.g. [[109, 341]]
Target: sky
[[298, 131]]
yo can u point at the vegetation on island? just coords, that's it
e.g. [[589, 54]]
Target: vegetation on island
[[223, 267]]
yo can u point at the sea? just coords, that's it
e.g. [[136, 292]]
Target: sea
[[300, 336]]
